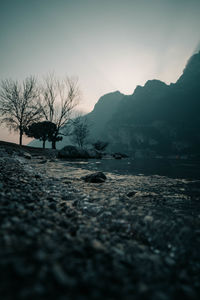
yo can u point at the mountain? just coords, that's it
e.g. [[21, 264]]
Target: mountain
[[191, 73], [103, 111], [157, 118]]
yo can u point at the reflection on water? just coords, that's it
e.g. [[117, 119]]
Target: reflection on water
[[170, 168]]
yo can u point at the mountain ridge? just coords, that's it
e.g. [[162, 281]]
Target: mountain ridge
[[159, 114]]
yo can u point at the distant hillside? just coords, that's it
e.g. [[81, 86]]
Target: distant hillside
[[157, 118], [59, 145]]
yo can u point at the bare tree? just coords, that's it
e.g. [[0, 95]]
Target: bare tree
[[18, 104], [58, 100], [80, 131]]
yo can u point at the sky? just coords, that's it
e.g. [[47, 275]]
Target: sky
[[109, 44]]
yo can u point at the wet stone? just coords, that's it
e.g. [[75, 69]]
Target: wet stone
[[27, 155], [131, 194], [97, 177]]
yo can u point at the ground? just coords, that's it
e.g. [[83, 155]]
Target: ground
[[131, 237]]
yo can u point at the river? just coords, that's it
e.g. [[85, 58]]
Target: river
[[186, 169]]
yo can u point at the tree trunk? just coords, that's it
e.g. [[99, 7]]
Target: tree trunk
[[20, 137], [54, 144], [43, 145]]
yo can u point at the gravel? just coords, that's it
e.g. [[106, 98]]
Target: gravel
[[63, 238]]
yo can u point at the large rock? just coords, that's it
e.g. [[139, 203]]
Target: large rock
[[97, 177], [72, 152]]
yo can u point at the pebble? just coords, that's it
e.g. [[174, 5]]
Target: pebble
[[169, 261]]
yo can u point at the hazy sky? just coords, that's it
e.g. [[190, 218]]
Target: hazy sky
[[109, 44]]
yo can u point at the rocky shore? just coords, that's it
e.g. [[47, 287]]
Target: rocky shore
[[130, 237]]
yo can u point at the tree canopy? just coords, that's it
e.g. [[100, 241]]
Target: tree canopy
[[42, 131]]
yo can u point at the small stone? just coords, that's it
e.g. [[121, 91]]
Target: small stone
[[44, 161], [39, 289], [38, 176], [97, 245], [117, 155], [131, 194], [60, 275], [169, 261], [92, 210], [67, 182], [188, 292], [148, 218], [143, 288], [27, 155], [106, 214], [97, 177], [52, 205], [40, 255], [118, 251]]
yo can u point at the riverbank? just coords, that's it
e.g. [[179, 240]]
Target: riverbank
[[62, 238]]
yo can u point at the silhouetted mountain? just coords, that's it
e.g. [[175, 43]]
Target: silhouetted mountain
[[156, 118], [103, 111], [191, 73]]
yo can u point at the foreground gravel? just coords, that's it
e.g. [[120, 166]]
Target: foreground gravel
[[132, 237]]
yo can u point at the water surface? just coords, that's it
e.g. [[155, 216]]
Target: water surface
[[170, 168]]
